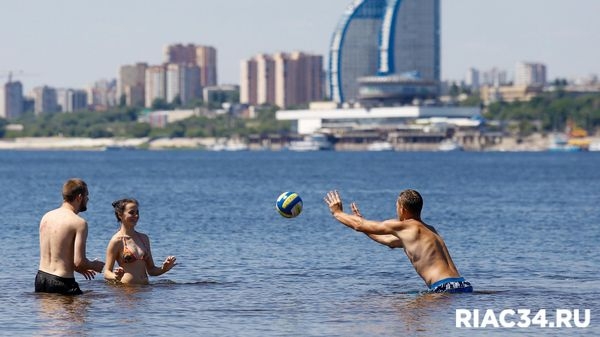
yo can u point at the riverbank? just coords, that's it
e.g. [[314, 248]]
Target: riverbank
[[536, 142]]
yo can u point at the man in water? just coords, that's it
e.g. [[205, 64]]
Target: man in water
[[423, 246], [63, 235]]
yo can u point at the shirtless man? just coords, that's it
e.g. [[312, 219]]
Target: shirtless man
[[63, 235], [423, 246]]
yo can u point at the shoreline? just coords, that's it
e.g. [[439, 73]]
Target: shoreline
[[533, 143]]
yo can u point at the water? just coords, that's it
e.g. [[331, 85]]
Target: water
[[522, 227]]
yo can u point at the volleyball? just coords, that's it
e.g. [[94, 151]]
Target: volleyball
[[289, 204]]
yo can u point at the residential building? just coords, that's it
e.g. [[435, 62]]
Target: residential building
[[102, 94], [131, 84], [11, 100], [530, 74], [282, 79], [45, 100], [472, 79], [204, 57], [71, 100], [155, 84], [183, 81]]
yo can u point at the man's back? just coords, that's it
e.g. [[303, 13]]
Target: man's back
[[58, 230], [427, 251]]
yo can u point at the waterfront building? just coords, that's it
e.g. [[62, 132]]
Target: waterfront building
[[282, 79], [11, 100], [384, 38], [131, 84], [45, 100], [527, 73], [357, 118]]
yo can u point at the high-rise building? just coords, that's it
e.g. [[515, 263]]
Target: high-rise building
[[183, 81], [494, 77], [530, 74], [384, 38], [102, 94], [472, 79], [71, 100], [248, 82], [131, 84], [155, 84], [11, 100], [45, 100], [204, 57], [282, 79]]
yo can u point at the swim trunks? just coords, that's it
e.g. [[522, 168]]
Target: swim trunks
[[48, 283], [451, 285]]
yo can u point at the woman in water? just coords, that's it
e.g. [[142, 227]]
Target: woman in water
[[131, 249]]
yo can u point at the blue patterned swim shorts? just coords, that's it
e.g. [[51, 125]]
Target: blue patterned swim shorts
[[451, 285]]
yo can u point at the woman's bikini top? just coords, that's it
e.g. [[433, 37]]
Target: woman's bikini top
[[129, 255]]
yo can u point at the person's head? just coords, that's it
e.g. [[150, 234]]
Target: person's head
[[75, 192], [125, 208], [409, 205]]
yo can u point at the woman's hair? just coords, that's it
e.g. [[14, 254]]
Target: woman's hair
[[120, 204], [72, 188], [412, 201]]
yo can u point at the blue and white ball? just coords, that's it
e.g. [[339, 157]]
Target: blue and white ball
[[289, 204]]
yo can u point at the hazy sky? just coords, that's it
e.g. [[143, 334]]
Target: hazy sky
[[72, 43]]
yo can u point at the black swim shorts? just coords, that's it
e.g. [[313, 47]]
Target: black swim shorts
[[48, 283]]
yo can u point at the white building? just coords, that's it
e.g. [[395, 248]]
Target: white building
[[530, 74], [310, 121]]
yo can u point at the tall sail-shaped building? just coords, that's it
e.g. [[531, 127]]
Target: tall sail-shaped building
[[384, 38]]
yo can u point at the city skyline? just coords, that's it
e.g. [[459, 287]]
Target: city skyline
[[69, 44]]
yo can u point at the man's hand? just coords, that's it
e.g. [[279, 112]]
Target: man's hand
[[87, 273], [355, 211], [334, 202], [97, 266]]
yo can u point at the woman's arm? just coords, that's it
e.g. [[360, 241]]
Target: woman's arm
[[112, 250], [151, 268]]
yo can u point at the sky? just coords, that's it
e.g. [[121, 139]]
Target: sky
[[73, 43]]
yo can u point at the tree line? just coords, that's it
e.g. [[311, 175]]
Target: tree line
[[548, 112]]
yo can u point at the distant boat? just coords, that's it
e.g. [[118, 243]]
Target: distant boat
[[314, 142], [595, 146], [229, 146], [560, 143], [119, 147], [449, 145], [380, 146]]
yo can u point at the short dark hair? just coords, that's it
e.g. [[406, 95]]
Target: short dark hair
[[72, 188], [412, 201], [119, 206]]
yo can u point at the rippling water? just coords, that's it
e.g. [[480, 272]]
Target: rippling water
[[522, 227]]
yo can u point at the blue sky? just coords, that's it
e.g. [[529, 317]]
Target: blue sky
[[72, 43]]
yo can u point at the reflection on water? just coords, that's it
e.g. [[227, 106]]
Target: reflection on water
[[62, 315]]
